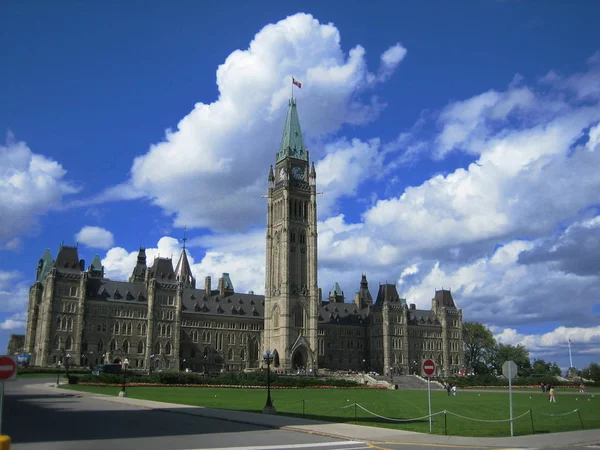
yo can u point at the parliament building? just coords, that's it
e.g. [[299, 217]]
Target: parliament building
[[160, 318]]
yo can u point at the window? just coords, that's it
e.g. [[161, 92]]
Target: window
[[230, 354], [298, 317], [129, 329], [242, 355], [113, 345], [125, 346], [139, 329], [100, 345], [168, 348], [276, 317], [157, 348], [140, 347], [58, 343], [68, 343], [116, 328]]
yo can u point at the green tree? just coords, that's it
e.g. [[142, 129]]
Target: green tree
[[540, 367], [555, 370], [592, 372], [478, 343], [517, 353]]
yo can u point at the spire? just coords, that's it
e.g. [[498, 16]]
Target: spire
[[183, 271], [184, 237], [139, 271], [292, 143]]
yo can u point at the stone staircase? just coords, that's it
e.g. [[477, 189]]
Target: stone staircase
[[415, 382]]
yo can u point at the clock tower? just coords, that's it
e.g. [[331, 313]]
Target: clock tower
[[291, 291]]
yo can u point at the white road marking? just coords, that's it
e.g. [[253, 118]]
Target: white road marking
[[277, 447], [7, 368]]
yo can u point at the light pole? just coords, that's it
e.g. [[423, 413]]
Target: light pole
[[67, 358], [391, 374], [123, 393], [151, 364], [58, 373], [269, 408]]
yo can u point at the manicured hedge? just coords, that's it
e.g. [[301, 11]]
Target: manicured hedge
[[491, 380], [226, 379]]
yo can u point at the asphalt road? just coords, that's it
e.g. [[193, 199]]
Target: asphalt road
[[37, 419]]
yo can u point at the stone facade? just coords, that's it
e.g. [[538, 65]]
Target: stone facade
[[158, 319]]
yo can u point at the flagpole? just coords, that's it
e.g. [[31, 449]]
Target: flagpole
[[570, 357], [292, 88]]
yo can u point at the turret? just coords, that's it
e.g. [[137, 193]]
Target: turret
[[140, 269], [336, 295], [271, 178], [183, 271], [96, 269], [312, 175]]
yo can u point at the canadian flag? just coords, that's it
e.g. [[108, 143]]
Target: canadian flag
[[297, 83]]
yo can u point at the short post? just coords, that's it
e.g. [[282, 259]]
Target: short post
[[355, 412], [531, 416], [580, 420], [269, 408], [303, 408], [445, 424], [429, 398]]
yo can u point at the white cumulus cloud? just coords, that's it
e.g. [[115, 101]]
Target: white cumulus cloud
[[30, 185], [95, 237]]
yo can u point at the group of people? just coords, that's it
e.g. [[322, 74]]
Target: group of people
[[450, 389]]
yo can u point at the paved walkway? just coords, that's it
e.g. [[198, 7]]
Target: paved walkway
[[359, 432]]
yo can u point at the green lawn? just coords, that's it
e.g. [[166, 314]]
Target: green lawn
[[337, 405]]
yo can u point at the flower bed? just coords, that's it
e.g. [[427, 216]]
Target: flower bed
[[229, 386]]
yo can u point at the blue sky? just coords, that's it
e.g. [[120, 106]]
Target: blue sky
[[455, 143]]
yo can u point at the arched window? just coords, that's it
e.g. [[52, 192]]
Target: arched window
[[230, 354], [168, 348], [113, 345], [169, 330], [242, 354], [157, 349], [139, 329], [100, 345], [129, 329], [58, 323], [125, 346], [205, 352], [63, 323], [70, 324], [299, 316], [143, 329], [141, 347], [58, 343], [68, 343], [116, 327]]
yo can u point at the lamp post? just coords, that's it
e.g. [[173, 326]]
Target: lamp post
[[67, 358], [391, 374], [58, 373], [123, 393], [269, 408]]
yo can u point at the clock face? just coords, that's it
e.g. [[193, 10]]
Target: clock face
[[282, 174], [297, 173]]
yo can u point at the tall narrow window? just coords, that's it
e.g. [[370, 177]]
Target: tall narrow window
[[140, 348], [168, 348]]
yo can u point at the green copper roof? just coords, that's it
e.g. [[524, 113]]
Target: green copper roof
[[47, 264], [337, 290], [292, 144], [96, 263]]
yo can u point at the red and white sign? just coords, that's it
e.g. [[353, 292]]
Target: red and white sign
[[8, 368], [428, 367]]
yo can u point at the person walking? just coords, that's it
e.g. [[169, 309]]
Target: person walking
[[552, 397]]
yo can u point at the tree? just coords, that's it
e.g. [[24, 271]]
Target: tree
[[540, 367], [592, 372], [517, 353], [478, 343]]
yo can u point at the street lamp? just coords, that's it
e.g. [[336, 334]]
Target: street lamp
[[58, 373], [123, 393], [67, 365], [269, 408]]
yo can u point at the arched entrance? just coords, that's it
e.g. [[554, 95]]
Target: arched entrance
[[299, 359], [117, 361]]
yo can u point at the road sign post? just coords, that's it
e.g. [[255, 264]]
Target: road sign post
[[429, 369], [509, 370], [8, 372]]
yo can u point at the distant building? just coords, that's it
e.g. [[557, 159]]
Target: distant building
[[159, 319]]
